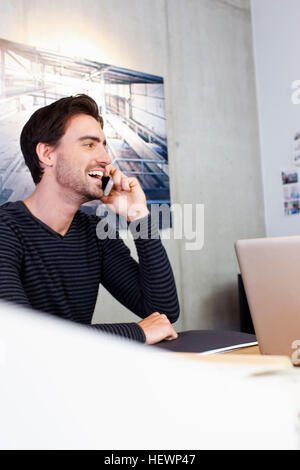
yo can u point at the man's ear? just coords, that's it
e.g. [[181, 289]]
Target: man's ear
[[45, 153]]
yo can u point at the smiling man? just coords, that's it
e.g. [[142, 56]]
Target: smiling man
[[50, 256]]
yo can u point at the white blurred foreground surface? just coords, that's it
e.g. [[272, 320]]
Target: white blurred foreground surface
[[65, 387]]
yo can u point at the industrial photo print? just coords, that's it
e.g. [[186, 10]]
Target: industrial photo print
[[132, 105]]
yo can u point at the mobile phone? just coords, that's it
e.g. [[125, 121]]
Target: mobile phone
[[107, 184]]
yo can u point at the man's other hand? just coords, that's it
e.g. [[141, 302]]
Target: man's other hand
[[157, 327]]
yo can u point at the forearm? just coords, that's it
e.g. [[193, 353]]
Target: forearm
[[126, 330], [144, 287], [157, 284]]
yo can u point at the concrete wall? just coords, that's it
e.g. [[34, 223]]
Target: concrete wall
[[276, 37], [203, 49]]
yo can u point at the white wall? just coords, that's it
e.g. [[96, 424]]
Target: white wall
[[276, 35], [203, 49]]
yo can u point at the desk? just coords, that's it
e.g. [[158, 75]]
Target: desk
[[249, 358], [251, 350]]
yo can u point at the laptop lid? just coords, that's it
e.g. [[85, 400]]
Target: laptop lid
[[270, 269]]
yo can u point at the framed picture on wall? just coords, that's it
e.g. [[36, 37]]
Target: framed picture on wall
[[132, 105]]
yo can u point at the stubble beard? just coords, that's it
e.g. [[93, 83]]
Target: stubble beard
[[71, 178]]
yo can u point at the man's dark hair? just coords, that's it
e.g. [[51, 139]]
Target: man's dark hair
[[48, 125]]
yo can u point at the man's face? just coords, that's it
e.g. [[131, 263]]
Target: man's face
[[81, 150]]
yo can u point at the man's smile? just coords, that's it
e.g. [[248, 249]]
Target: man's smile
[[96, 175]]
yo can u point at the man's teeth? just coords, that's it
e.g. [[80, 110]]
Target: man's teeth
[[96, 173]]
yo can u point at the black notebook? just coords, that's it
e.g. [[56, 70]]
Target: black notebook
[[205, 341]]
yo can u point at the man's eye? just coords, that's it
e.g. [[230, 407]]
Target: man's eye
[[90, 144]]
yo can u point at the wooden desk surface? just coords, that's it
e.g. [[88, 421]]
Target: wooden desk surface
[[244, 356], [249, 350]]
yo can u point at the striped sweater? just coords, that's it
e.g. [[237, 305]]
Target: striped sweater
[[60, 275]]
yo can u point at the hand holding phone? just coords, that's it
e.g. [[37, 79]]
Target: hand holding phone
[[127, 198]]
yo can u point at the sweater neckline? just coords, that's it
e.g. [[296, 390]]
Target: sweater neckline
[[43, 225]]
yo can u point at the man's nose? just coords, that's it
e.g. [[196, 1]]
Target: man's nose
[[103, 156]]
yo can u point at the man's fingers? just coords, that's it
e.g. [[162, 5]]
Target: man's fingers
[[125, 183], [172, 335], [133, 182], [117, 177], [121, 181], [109, 170], [171, 338]]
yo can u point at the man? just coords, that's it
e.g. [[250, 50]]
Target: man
[[50, 256]]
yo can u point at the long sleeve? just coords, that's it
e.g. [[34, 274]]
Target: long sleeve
[[11, 287], [144, 287], [125, 330]]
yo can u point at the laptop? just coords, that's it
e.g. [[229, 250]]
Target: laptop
[[270, 269]]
